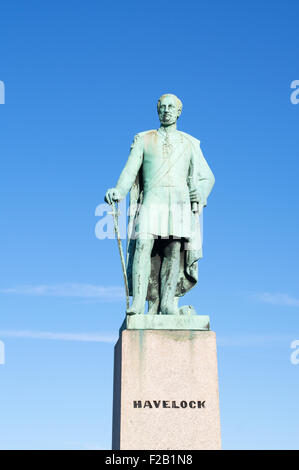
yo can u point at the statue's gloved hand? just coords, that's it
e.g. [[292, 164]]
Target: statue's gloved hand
[[194, 195], [112, 195]]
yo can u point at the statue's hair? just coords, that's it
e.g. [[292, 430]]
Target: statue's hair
[[179, 103]]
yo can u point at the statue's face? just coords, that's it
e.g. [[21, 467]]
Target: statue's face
[[169, 111]]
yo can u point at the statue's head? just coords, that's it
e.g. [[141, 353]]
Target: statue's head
[[169, 109]]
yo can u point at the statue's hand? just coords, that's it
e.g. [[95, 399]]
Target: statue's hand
[[112, 195], [194, 195]]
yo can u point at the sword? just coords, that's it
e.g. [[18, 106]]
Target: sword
[[115, 213]]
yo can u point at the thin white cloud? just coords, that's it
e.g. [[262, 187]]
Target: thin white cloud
[[277, 299], [68, 290], [236, 340], [89, 337], [239, 340]]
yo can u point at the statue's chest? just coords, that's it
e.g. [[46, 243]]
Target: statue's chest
[[162, 147], [166, 156]]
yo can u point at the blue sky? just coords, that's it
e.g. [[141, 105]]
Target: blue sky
[[81, 78]]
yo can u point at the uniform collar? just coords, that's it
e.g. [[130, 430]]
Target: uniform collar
[[165, 133]]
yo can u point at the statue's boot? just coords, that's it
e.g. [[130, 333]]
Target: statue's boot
[[137, 307]]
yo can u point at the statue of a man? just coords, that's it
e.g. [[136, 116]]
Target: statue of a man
[[169, 182]]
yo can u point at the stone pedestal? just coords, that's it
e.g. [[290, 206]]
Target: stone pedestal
[[166, 390]]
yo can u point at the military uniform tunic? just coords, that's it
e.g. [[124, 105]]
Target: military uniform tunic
[[165, 161]]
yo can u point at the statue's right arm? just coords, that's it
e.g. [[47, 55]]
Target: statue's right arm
[[129, 173]]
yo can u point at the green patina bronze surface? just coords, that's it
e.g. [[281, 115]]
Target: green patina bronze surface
[[169, 182]]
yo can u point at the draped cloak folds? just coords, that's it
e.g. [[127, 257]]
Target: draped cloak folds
[[191, 245]]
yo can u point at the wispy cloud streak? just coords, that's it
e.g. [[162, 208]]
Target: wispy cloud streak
[[237, 340], [277, 299], [254, 340], [68, 290], [85, 337]]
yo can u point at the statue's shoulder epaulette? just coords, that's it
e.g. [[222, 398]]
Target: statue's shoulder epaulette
[[192, 139], [144, 133]]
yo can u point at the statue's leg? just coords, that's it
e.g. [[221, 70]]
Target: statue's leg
[[141, 272], [169, 276]]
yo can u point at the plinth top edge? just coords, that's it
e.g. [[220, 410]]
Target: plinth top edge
[[166, 322]]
